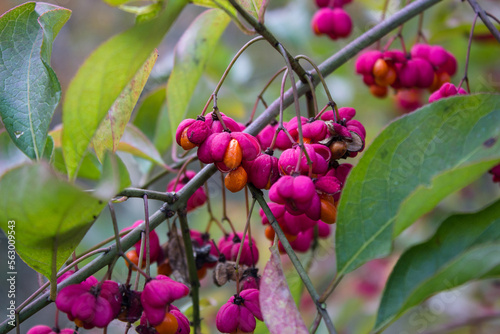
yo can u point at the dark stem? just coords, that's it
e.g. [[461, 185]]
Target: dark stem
[[139, 193], [257, 194], [193, 274], [115, 228], [146, 220], [484, 17], [469, 46], [382, 18], [262, 30]]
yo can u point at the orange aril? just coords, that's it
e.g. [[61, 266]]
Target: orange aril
[[202, 272], [378, 91], [440, 78], [380, 68], [328, 212], [169, 325], [236, 179], [185, 143], [233, 154], [134, 258], [388, 79], [290, 237], [269, 232], [165, 268]]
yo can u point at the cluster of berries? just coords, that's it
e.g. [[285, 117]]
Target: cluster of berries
[[208, 256], [220, 141], [95, 304], [331, 19], [425, 67], [157, 295], [305, 182], [239, 313], [304, 186]]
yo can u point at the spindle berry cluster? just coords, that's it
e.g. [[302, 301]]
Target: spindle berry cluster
[[425, 67], [331, 19]]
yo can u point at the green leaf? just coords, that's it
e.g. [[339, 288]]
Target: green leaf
[[29, 89], [136, 143], [221, 4], [409, 168], [114, 178], [251, 6], [192, 52], [110, 131], [10, 155], [51, 216], [295, 285], [90, 168], [280, 313], [116, 2], [464, 248], [147, 114], [48, 153], [103, 77]]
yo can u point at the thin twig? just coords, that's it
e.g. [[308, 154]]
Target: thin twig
[[146, 221], [193, 274], [262, 30], [484, 17], [139, 193], [293, 258], [465, 78]]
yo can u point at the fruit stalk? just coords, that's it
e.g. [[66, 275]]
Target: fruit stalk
[[484, 17]]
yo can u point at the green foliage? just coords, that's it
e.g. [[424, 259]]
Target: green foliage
[[10, 155], [413, 164], [136, 143], [51, 215], [103, 78], [29, 89], [110, 131], [148, 111], [464, 248], [114, 177], [116, 2], [251, 6], [192, 52]]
